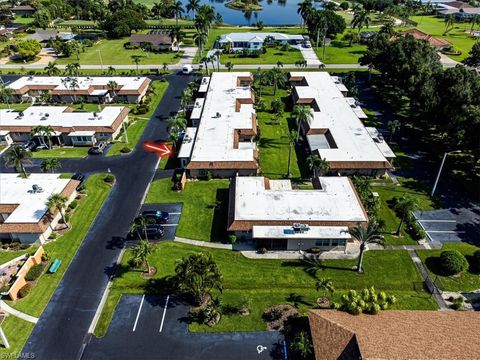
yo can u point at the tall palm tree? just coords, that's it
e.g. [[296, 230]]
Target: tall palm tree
[[112, 86], [73, 83], [141, 252], [72, 69], [157, 10], [177, 10], [51, 69], [186, 97], [45, 97], [6, 93], [136, 60], [304, 10], [292, 140], [176, 34], [405, 206], [192, 6], [317, 165], [229, 66], [43, 131], [200, 39], [303, 115], [365, 235], [17, 156], [50, 165], [277, 78], [449, 21], [259, 79], [361, 18], [58, 202]]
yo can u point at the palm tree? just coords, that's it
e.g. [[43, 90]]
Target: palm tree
[[405, 206], [173, 135], [177, 10], [72, 69], [302, 344], [361, 18], [45, 97], [192, 6], [141, 252], [186, 97], [111, 70], [112, 86], [259, 79], [292, 140], [303, 115], [165, 67], [317, 165], [279, 64], [74, 86], [6, 93], [51, 69], [277, 78], [366, 235], [50, 165], [136, 60], [325, 284], [304, 10], [176, 34], [200, 39], [43, 131], [449, 21], [17, 156], [157, 10], [393, 126], [58, 202]]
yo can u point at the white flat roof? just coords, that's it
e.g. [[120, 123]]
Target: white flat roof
[[353, 142], [215, 135], [82, 133], [197, 109], [31, 206], [314, 232], [250, 36], [336, 201], [84, 82], [4, 132], [187, 143], [356, 108], [204, 84], [380, 142], [59, 116]]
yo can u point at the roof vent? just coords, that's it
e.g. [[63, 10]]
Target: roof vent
[[300, 228], [36, 189]]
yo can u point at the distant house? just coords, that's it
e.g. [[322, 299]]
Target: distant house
[[434, 42], [254, 41], [464, 13], [158, 41], [43, 36], [26, 10], [395, 335], [8, 31]]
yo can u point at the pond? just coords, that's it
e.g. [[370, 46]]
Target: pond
[[275, 12]]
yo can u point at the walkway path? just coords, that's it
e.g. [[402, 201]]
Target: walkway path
[[310, 56], [9, 310], [204, 243], [432, 287]]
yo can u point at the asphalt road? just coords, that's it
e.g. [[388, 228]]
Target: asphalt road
[[61, 330], [152, 327]]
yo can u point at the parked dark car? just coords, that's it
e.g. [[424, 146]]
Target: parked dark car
[[151, 231], [31, 145], [157, 215], [98, 148], [79, 177]]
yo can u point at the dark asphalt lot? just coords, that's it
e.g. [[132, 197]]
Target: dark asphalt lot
[[146, 329], [175, 211], [62, 327]]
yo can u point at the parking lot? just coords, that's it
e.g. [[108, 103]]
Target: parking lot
[[155, 327], [451, 225]]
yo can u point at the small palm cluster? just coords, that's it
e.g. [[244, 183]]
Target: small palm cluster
[[366, 301]]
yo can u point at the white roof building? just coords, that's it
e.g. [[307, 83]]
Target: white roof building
[[227, 125], [245, 37], [335, 131]]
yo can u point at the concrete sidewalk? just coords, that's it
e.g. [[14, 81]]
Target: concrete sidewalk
[[9, 310]]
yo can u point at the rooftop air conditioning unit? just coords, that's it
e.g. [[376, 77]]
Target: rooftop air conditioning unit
[[47, 115], [218, 115], [36, 189]]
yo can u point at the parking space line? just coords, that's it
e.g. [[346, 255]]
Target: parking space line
[[164, 312], [175, 213], [446, 231], [441, 221], [138, 313], [169, 225]]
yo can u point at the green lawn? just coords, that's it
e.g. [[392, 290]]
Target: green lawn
[[63, 248], [23, 20], [467, 281], [113, 53], [61, 152], [135, 129], [6, 256], [200, 220], [268, 282], [436, 27], [273, 144], [409, 187], [272, 56]]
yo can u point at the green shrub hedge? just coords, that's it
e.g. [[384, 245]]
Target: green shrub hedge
[[34, 272], [25, 290], [453, 262]]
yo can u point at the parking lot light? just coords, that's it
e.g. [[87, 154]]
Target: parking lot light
[[441, 167]]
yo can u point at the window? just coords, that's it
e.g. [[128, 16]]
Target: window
[[322, 243]]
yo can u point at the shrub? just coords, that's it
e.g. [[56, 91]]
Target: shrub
[[457, 303], [416, 231], [209, 175], [73, 204], [140, 109], [25, 290], [52, 236], [262, 250], [45, 257], [344, 5], [125, 150], [109, 178], [453, 262], [368, 301], [476, 259], [34, 272], [315, 250], [232, 238], [24, 246]]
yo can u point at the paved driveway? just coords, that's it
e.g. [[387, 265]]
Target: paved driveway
[[153, 327], [451, 225], [310, 56]]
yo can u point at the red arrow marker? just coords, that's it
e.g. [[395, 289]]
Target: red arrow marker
[[162, 149]]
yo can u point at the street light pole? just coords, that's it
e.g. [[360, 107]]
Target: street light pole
[[101, 60], [440, 170]]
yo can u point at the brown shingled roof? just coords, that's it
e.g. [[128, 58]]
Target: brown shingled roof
[[432, 41], [398, 335]]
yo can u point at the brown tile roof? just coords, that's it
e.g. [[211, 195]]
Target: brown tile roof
[[401, 335], [156, 39], [432, 41]]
